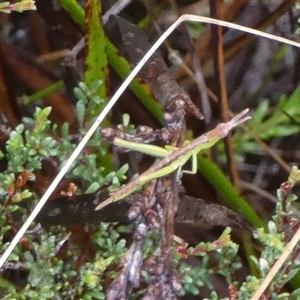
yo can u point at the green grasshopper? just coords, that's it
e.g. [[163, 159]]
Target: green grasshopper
[[173, 158]]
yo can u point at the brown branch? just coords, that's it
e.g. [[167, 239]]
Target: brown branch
[[218, 57]]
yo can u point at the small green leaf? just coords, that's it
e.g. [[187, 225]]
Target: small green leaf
[[96, 59], [74, 9], [65, 131], [26, 194], [47, 292], [91, 279], [93, 188], [80, 112]]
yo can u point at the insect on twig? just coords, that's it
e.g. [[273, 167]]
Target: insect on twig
[[173, 159]]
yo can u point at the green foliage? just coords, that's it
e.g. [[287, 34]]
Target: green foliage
[[93, 172], [88, 103], [227, 262], [95, 51], [273, 243], [75, 11], [26, 150], [283, 121], [29, 145], [51, 278]]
